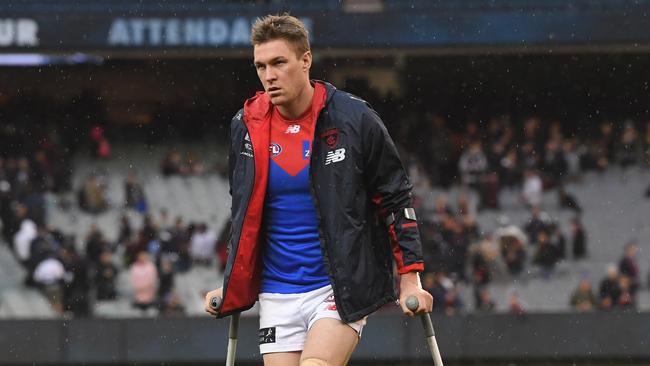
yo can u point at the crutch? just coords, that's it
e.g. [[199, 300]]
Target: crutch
[[215, 303], [413, 304]]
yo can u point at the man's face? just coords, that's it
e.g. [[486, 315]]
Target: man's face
[[282, 72]]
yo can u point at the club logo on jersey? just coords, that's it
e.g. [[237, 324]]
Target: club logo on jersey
[[331, 137], [275, 149], [335, 156], [267, 335], [293, 129]]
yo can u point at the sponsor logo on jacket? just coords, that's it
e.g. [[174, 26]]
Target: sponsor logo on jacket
[[335, 156]]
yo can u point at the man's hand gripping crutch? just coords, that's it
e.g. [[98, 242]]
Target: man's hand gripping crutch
[[416, 301], [212, 303]]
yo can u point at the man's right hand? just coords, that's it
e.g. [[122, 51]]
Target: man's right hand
[[214, 293]]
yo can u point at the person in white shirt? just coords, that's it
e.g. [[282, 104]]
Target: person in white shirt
[[532, 189]]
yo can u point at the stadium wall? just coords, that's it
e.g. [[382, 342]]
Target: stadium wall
[[389, 337]]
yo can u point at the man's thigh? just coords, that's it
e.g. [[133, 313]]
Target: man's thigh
[[282, 359], [330, 340]]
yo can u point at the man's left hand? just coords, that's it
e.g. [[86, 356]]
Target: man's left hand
[[410, 286]]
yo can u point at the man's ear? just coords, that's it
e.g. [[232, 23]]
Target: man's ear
[[306, 61]]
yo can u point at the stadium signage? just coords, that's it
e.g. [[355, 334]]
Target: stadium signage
[[21, 32], [182, 32], [214, 29]]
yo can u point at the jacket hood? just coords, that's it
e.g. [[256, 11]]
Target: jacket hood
[[258, 107]]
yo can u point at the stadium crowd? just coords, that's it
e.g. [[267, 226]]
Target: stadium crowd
[[483, 159], [528, 160]]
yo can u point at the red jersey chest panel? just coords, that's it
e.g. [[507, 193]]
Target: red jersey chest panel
[[290, 146]]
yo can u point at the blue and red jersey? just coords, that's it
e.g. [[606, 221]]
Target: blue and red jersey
[[293, 261]]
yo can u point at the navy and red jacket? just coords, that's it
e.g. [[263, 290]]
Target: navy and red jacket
[[357, 182]]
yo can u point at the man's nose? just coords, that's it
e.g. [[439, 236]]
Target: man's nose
[[269, 74]]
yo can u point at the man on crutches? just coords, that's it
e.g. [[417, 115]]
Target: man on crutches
[[321, 207]]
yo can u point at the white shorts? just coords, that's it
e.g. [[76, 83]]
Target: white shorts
[[285, 319]]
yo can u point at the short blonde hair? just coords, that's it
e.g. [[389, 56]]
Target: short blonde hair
[[286, 27]]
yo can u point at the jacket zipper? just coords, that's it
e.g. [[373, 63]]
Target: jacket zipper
[[323, 241]]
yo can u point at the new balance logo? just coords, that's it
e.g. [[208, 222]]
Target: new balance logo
[[293, 129], [335, 156]]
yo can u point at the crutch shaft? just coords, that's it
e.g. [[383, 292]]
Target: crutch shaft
[[215, 303], [412, 304]]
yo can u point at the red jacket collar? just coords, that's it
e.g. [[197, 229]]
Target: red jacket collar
[[258, 108]]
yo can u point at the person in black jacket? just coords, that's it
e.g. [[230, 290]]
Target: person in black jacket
[[321, 209]]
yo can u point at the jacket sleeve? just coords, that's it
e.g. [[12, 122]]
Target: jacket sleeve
[[390, 191]]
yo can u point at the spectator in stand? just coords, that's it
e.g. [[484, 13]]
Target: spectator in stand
[[557, 240], [555, 164], [509, 170], [143, 277], [578, 238], [42, 247], [172, 164], [173, 307], [441, 209], [529, 157], [437, 284], [629, 267], [532, 188], [514, 255], [100, 146], [482, 259], [48, 276], [453, 303], [26, 233], [202, 245], [472, 165], [484, 301], [76, 282], [538, 221], [629, 149], [180, 244], [583, 298], [105, 277], [572, 159], [546, 256], [609, 290], [134, 193], [126, 231], [8, 215], [171, 236], [194, 164], [166, 281], [567, 200], [92, 196], [455, 246], [532, 138], [95, 244], [627, 300], [512, 243], [515, 305], [604, 145]]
